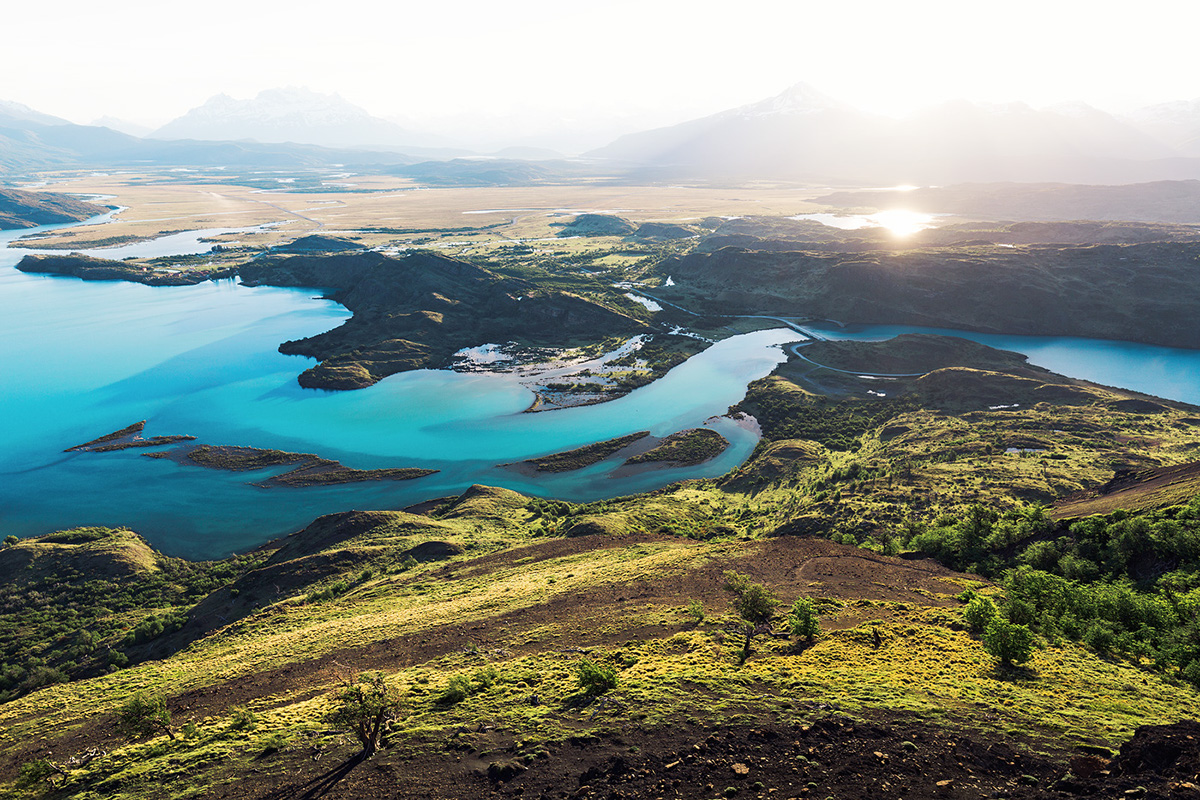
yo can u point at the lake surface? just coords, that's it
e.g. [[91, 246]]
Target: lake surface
[[1169, 372], [82, 359]]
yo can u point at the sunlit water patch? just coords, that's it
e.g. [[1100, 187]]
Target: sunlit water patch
[[900, 222]]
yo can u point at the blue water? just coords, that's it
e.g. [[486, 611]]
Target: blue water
[[81, 359], [1173, 373]]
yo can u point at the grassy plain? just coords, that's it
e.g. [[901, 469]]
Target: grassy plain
[[380, 209]]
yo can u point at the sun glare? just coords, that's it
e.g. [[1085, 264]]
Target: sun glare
[[901, 222]]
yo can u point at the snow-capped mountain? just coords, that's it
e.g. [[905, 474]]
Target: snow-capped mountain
[[289, 115], [802, 133], [800, 99], [799, 131], [1176, 124], [18, 112]]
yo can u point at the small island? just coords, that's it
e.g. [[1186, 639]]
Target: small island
[[581, 457], [308, 469], [684, 449], [89, 268], [127, 437]]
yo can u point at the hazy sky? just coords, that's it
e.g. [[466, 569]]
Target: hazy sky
[[646, 60]]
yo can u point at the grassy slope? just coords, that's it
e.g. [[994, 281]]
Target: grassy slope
[[499, 592], [523, 609]]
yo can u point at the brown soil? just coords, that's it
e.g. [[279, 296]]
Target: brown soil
[[1136, 491], [834, 757]]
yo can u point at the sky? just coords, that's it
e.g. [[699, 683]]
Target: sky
[[623, 63]]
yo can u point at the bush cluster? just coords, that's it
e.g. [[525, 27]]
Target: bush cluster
[[837, 424], [1125, 584], [70, 624]]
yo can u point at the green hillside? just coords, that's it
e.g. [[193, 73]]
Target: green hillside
[[522, 647]]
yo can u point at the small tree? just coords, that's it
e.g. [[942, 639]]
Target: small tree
[[979, 613], [144, 715], [753, 602], [802, 619], [1010, 643], [365, 704], [595, 679]]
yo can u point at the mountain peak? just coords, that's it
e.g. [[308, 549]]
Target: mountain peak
[[23, 113], [286, 114], [798, 99]]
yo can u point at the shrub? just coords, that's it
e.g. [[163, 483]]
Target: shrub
[[1100, 636], [144, 715], [154, 626], [979, 613], [1020, 611], [457, 690], [802, 619], [1042, 555], [274, 743], [695, 610], [1008, 642], [594, 679], [34, 772], [243, 719], [460, 687], [40, 676]]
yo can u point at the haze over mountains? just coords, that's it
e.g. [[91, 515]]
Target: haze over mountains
[[800, 134], [291, 115], [32, 141]]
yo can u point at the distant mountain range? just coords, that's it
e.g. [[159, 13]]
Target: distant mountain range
[[800, 134], [803, 134], [1177, 124], [291, 115], [31, 141]]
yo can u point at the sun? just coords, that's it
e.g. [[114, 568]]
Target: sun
[[902, 222]]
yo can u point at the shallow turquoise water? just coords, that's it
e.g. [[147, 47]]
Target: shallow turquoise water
[[81, 359]]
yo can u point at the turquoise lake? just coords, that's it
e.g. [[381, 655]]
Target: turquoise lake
[[1168, 372], [81, 359]]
